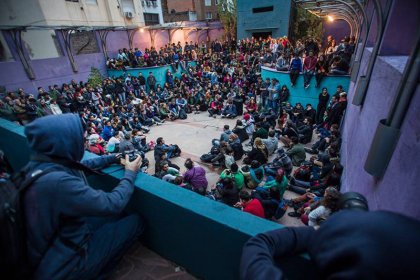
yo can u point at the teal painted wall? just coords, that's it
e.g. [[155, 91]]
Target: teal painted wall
[[159, 72], [202, 235], [310, 95], [276, 21]]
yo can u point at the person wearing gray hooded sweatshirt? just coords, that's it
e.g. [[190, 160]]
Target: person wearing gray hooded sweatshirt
[[271, 142], [74, 231]]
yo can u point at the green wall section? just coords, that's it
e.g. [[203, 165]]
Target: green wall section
[[158, 71], [298, 93], [202, 235]]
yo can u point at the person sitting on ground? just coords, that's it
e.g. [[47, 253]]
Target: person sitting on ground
[[248, 122], [250, 205], [162, 148], [251, 107], [219, 159], [236, 146], [216, 107], [271, 142], [94, 146], [195, 176], [256, 175], [279, 183], [167, 173], [261, 131], [229, 111], [321, 211], [240, 131], [287, 133], [223, 137], [228, 193], [233, 173], [126, 145], [281, 161], [259, 153], [296, 152], [114, 143], [60, 208], [321, 176], [305, 131]]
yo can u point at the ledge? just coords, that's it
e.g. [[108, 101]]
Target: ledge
[[204, 236]]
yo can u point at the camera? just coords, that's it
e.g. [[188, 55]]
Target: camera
[[132, 155]]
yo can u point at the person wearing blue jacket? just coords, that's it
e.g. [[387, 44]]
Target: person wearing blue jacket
[[74, 231], [295, 69]]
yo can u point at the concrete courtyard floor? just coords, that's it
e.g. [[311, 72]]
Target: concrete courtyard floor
[[193, 136]]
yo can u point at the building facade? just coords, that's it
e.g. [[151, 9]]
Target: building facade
[[178, 10], [152, 12], [190, 10], [207, 9], [263, 18]]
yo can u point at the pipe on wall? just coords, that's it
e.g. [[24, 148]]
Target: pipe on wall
[[389, 130], [363, 84]]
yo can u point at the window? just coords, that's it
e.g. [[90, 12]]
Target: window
[[262, 9], [151, 19], [72, 0], [91, 2], [217, 2], [84, 42], [209, 15], [41, 44], [128, 6], [5, 54], [207, 3]]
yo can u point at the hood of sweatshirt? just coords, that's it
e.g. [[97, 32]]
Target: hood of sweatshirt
[[56, 136]]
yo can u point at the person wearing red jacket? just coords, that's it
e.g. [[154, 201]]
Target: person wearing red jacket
[[309, 68], [251, 205]]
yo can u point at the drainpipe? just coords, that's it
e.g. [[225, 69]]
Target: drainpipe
[[363, 83], [389, 130]]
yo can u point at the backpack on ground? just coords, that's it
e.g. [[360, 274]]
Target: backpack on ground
[[176, 152], [13, 248]]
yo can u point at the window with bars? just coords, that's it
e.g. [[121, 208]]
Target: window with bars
[[207, 3], [151, 18], [209, 15]]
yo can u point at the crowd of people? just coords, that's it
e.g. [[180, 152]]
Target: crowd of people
[[225, 83]]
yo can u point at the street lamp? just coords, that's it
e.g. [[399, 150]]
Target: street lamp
[[330, 18]]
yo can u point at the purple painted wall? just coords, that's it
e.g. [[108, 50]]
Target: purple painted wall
[[401, 28], [48, 71], [398, 189]]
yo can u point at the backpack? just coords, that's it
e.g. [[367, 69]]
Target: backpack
[[182, 114], [13, 248]]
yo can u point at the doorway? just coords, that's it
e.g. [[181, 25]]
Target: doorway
[[263, 35]]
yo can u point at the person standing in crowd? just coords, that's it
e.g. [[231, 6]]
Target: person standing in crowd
[[151, 81]]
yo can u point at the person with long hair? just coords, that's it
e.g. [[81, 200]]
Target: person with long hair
[[329, 204]]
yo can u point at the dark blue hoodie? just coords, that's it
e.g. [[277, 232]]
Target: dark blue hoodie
[[351, 244], [57, 204]]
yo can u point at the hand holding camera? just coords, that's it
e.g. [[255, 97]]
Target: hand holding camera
[[132, 161]]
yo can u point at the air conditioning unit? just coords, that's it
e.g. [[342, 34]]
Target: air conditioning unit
[[143, 3], [155, 4], [128, 14], [149, 3]]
